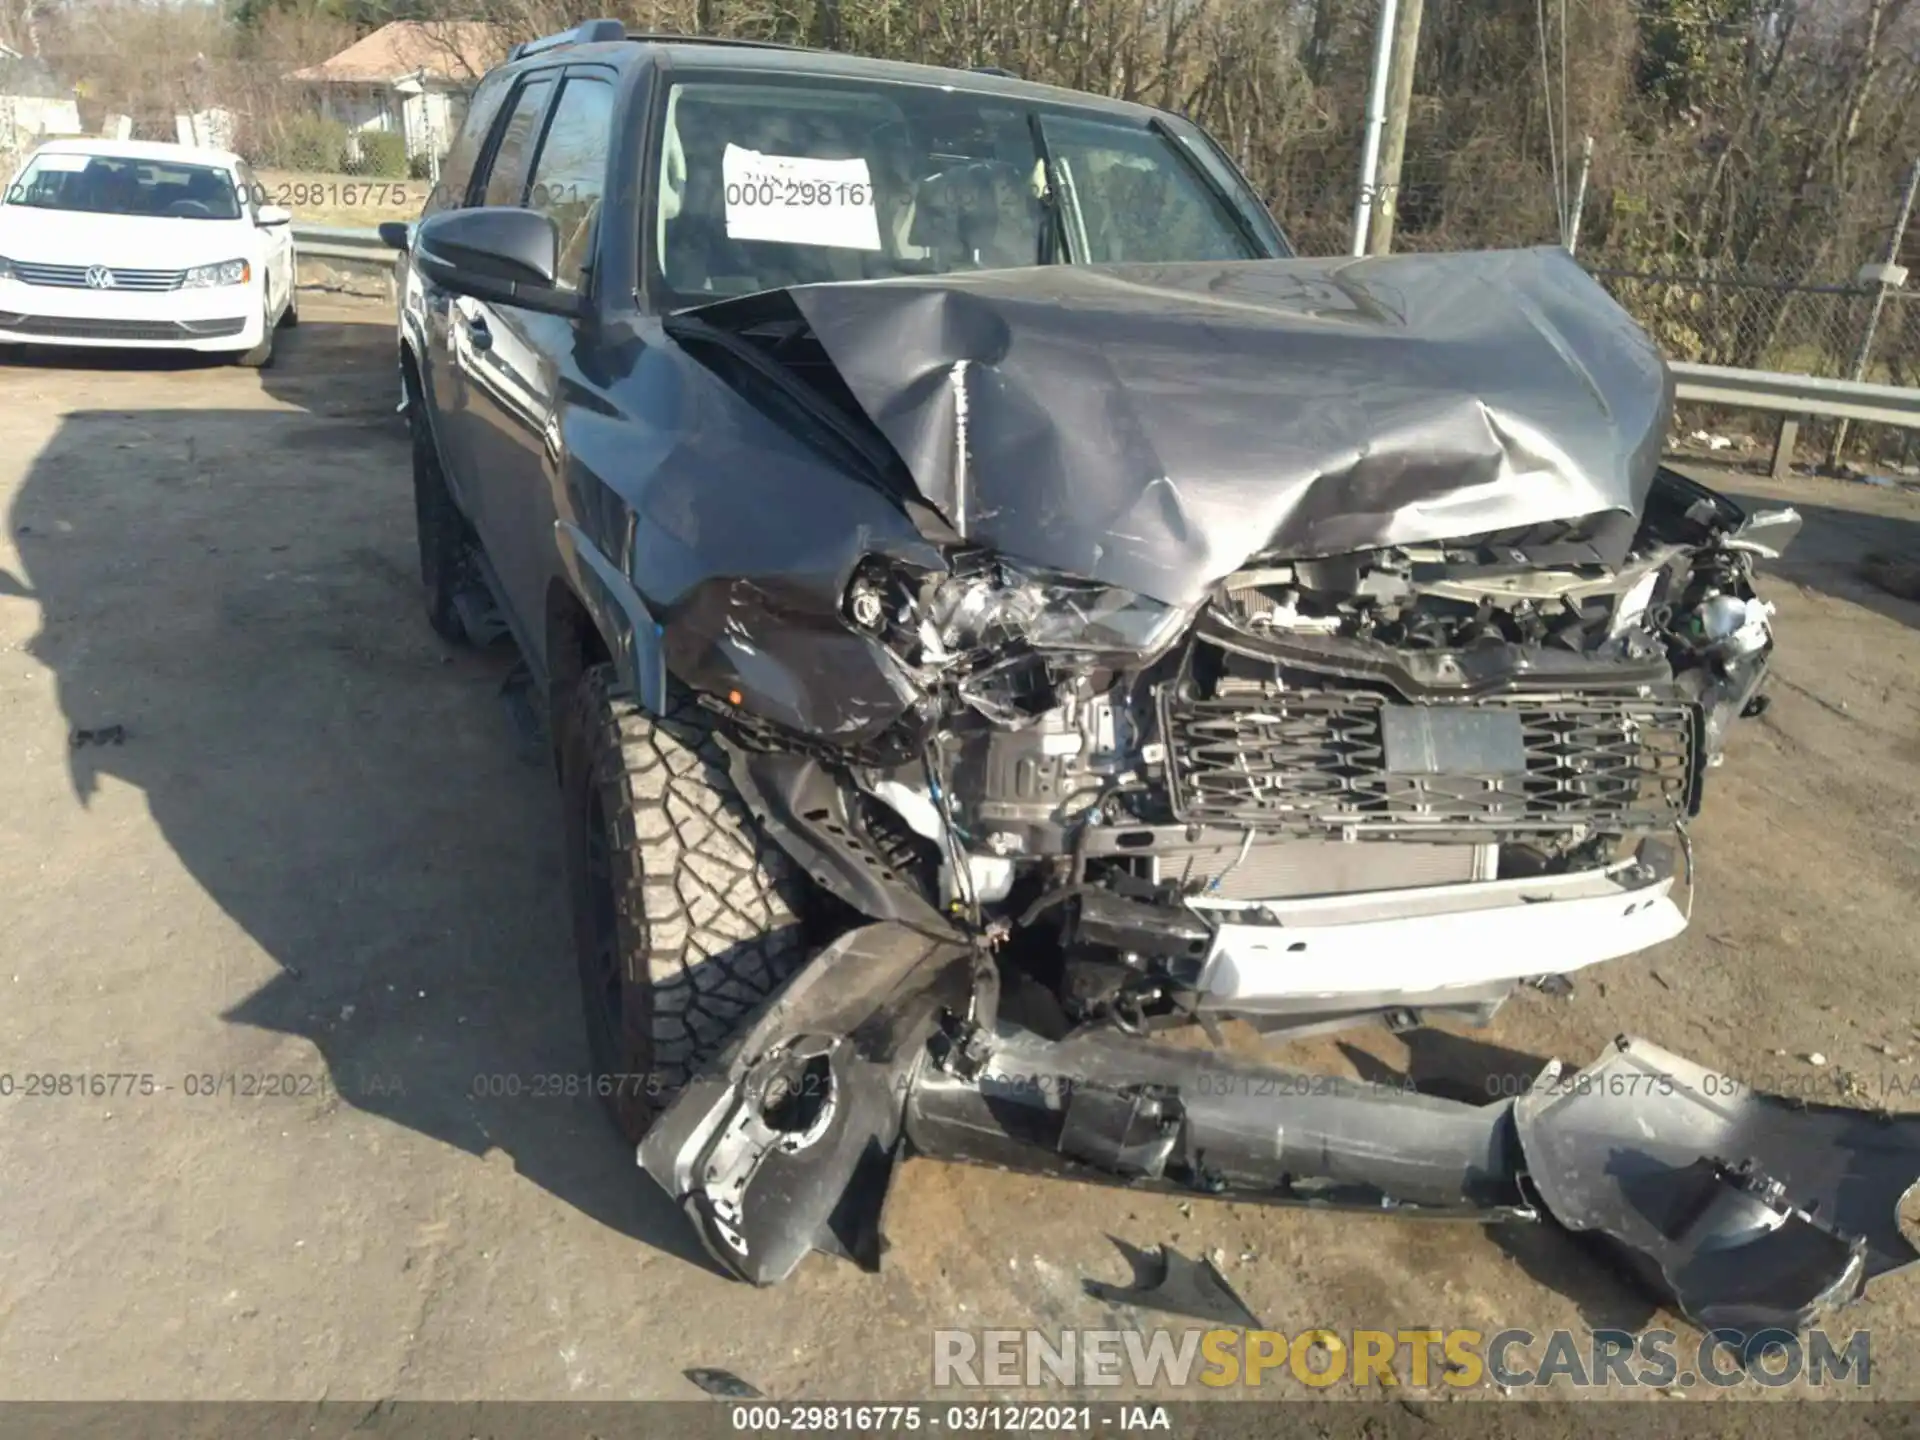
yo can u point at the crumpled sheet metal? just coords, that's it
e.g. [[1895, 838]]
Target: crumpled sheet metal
[[1155, 426]]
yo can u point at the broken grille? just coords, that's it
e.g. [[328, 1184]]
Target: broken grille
[[1308, 761]]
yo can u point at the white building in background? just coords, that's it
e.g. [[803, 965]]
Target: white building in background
[[208, 129], [33, 104], [410, 78]]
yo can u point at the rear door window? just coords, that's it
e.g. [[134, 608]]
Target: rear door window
[[507, 174], [456, 171], [570, 175]]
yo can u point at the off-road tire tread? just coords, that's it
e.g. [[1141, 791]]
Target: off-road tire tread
[[705, 901]]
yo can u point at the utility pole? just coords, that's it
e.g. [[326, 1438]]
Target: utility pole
[[1883, 281], [1579, 197], [1376, 119], [1406, 54]]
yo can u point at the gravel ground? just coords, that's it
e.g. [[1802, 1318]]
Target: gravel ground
[[313, 852]]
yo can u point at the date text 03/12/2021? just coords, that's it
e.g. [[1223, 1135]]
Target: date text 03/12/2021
[[59, 1085], [962, 1419], [54, 1083]]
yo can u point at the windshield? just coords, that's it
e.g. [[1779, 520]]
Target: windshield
[[764, 185], [122, 185]]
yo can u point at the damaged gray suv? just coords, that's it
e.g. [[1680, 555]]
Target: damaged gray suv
[[992, 603]]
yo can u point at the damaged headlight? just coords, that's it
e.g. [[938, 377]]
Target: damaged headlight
[[1732, 626], [990, 603], [1048, 612]]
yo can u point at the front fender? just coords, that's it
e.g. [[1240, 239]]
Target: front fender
[[626, 626]]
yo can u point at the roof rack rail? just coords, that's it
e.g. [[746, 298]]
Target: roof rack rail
[[591, 32], [1000, 70], [737, 42]]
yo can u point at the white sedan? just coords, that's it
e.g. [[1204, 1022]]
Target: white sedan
[[137, 245]]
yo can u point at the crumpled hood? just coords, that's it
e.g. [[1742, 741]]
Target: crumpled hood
[[1155, 426]]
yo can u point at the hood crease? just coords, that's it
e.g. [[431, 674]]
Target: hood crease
[[1155, 427]]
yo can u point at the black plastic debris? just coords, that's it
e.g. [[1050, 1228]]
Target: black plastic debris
[[1166, 1280], [102, 735], [721, 1384], [1747, 1211]]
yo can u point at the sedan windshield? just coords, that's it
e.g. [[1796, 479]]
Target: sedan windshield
[[123, 185], [768, 185]]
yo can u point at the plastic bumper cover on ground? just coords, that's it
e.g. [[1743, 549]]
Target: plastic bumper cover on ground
[[1741, 1209]]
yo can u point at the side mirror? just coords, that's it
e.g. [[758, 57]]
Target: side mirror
[[496, 253], [396, 234], [274, 215]]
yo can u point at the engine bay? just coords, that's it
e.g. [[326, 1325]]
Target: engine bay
[[1112, 779]]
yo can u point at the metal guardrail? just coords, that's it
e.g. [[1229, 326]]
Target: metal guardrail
[[1794, 398], [336, 242], [1798, 394]]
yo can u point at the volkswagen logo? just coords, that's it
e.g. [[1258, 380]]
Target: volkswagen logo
[[99, 278]]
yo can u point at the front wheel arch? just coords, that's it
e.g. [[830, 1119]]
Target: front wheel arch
[[575, 645], [628, 633]]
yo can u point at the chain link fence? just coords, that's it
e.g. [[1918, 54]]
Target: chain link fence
[[1786, 282]]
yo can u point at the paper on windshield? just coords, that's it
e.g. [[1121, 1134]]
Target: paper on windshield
[[798, 200], [58, 164]]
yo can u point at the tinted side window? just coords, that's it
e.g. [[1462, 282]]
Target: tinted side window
[[1233, 184], [457, 169], [507, 176], [1136, 200], [570, 175]]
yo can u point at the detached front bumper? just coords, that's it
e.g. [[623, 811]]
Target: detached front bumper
[[1742, 1210]]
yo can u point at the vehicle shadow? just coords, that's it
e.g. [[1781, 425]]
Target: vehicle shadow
[[228, 600]]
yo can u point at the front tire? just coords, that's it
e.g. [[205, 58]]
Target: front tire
[[685, 915], [261, 355]]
